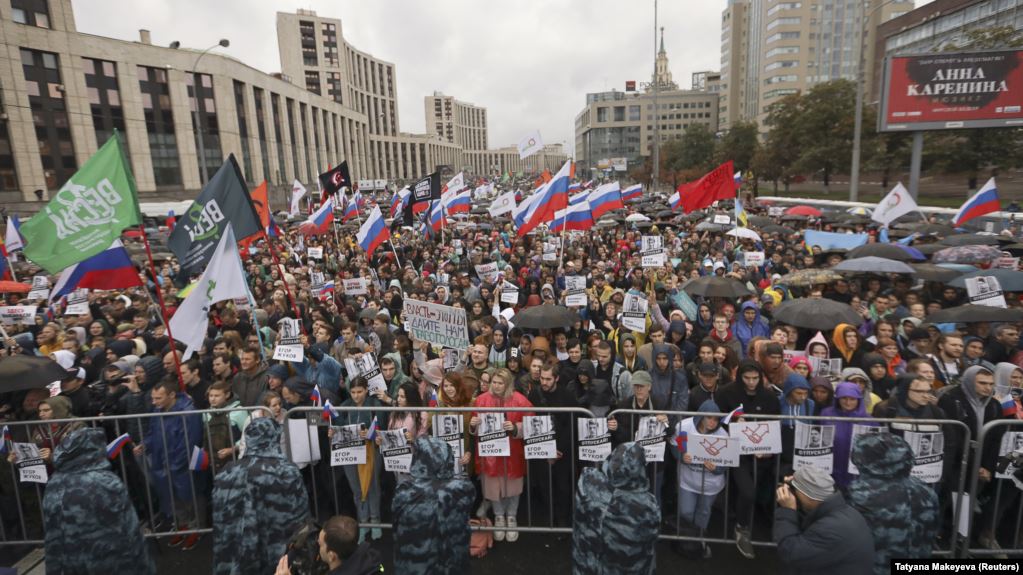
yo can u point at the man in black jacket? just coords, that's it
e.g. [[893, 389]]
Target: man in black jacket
[[551, 393]]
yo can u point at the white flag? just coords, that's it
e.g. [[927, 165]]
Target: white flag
[[898, 202], [456, 183], [13, 238], [223, 279], [503, 204], [530, 145], [297, 191]]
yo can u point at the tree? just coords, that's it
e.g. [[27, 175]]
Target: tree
[[739, 144], [775, 160], [826, 123]]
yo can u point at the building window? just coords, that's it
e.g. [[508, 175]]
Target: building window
[[334, 87], [312, 81], [275, 108], [49, 111], [782, 22], [601, 114], [782, 50], [243, 129], [289, 106], [31, 12], [264, 155], [8, 173], [163, 143], [619, 113], [781, 64], [104, 101], [784, 6], [209, 127]]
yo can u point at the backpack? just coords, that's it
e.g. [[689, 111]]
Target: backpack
[[480, 542]]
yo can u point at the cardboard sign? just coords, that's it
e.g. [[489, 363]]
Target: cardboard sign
[[721, 450], [539, 437], [1007, 262], [315, 253], [396, 451], [40, 288], [77, 302], [437, 324], [493, 439], [594, 439], [650, 243], [985, 290], [634, 312], [654, 259], [756, 437], [722, 219], [31, 467], [354, 286], [650, 435], [752, 259], [814, 445], [861, 429], [304, 441], [289, 341], [450, 358], [928, 453], [509, 293], [575, 291], [775, 211], [449, 428], [487, 272], [14, 314], [347, 447], [360, 365], [830, 368]]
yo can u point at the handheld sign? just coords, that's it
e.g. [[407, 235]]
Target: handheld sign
[[813, 446], [289, 341], [315, 253], [396, 451], [757, 437], [720, 450], [449, 428], [493, 439], [539, 437], [650, 435], [437, 324], [354, 286], [347, 446], [594, 439]]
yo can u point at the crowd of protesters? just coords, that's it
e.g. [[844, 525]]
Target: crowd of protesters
[[729, 352]]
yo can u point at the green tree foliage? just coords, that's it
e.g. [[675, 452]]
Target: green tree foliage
[[739, 144], [775, 160]]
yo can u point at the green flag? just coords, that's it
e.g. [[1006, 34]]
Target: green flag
[[86, 215]]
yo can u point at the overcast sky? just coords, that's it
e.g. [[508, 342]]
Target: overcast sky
[[529, 63]]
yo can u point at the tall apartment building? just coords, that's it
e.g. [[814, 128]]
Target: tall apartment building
[[458, 122], [772, 48]]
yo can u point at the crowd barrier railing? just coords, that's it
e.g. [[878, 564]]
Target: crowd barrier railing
[[992, 500]]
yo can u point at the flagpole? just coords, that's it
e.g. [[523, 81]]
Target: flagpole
[[287, 289], [163, 306]]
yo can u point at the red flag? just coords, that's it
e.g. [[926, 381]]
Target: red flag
[[718, 184]]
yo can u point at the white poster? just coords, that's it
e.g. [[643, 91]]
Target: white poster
[[493, 439], [594, 439], [550, 253], [303, 441], [985, 290], [297, 191], [40, 288], [487, 272], [375, 381], [538, 431], [396, 451], [315, 253], [354, 286], [928, 454], [450, 358], [31, 467], [1011, 441], [775, 211], [449, 428], [757, 437], [360, 364], [347, 447], [857, 430], [77, 302], [831, 368], [753, 259], [653, 259], [509, 293], [634, 312], [650, 435], [1007, 262], [650, 243], [813, 446], [441, 325], [23, 314], [289, 341], [722, 219], [575, 291], [721, 450]]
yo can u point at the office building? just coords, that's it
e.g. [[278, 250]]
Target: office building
[[455, 121]]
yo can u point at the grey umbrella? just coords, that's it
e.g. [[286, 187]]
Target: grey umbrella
[[971, 313], [545, 317], [816, 313], [887, 251], [1010, 280], [970, 240], [936, 273], [709, 227], [713, 286], [873, 264]]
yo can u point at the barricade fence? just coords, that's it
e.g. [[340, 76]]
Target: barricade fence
[[170, 488], [995, 502]]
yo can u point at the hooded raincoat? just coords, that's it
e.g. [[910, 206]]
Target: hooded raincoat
[[745, 331], [844, 430]]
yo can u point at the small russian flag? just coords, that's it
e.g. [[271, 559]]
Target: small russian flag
[[200, 459], [5, 445], [373, 427], [1008, 406], [329, 412], [734, 414], [433, 398], [114, 447], [737, 177], [315, 395], [632, 192], [682, 440]]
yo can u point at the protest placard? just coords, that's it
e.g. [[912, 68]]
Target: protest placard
[[539, 437], [757, 437], [441, 325], [40, 288], [509, 293], [813, 446], [396, 450], [30, 465], [594, 439], [347, 446], [354, 286], [575, 291], [752, 259], [77, 303], [720, 450], [289, 341], [493, 439], [985, 290], [634, 312], [449, 428], [487, 272], [650, 435], [315, 253], [14, 314]]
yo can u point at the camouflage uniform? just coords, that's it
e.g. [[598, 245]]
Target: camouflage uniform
[[431, 514], [902, 511], [258, 503], [633, 518], [90, 524], [591, 500]]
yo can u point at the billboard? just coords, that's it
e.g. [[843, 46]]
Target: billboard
[[952, 91], [620, 164]]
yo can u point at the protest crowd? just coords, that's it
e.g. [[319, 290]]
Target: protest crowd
[[458, 363]]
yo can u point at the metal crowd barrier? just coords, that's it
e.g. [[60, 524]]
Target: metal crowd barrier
[[26, 499], [996, 498], [724, 504]]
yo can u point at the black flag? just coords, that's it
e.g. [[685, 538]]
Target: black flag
[[421, 193], [333, 180], [197, 232]]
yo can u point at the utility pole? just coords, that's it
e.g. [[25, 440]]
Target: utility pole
[[657, 115]]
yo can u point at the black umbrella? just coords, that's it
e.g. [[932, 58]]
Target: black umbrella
[[776, 229], [545, 317], [929, 249], [970, 240], [972, 313], [1014, 249], [816, 313], [886, 251], [760, 221], [664, 214], [29, 372], [1009, 280], [927, 229], [713, 286], [935, 273]]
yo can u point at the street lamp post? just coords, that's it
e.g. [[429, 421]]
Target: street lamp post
[[657, 115], [854, 176], [199, 132]]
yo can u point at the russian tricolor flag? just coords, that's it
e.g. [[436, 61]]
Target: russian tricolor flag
[[320, 220], [675, 200], [460, 203], [373, 232], [575, 187], [553, 196], [606, 198], [329, 413], [1008, 406], [575, 217], [371, 434], [682, 440], [632, 192], [432, 402], [398, 201], [983, 202], [114, 447], [351, 210], [436, 215], [734, 414], [315, 395], [5, 443], [737, 177], [200, 459], [578, 198], [109, 269]]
